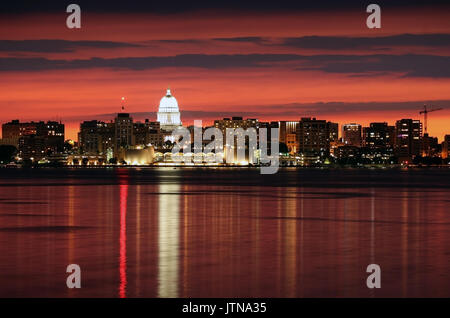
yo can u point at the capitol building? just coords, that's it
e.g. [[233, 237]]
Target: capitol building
[[168, 113]]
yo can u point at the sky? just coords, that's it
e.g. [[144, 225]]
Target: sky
[[267, 60]]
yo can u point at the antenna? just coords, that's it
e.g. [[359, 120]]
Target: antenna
[[123, 104]]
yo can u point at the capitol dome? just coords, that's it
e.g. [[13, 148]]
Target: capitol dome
[[168, 103], [168, 112]]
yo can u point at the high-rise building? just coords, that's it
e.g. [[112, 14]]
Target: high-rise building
[[313, 136], [351, 134], [16, 129], [408, 139], [32, 147], [378, 135], [155, 138], [430, 146], [269, 126], [34, 139], [446, 147], [52, 131], [111, 139], [168, 113], [236, 123], [334, 131], [288, 135], [148, 133], [123, 131], [96, 137]]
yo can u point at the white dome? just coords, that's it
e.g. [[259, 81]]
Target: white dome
[[168, 113], [168, 103]]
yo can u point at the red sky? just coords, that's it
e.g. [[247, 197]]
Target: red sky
[[258, 71]]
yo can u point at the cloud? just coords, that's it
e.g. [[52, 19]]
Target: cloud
[[408, 65], [346, 43], [145, 63], [179, 41], [57, 46], [244, 39]]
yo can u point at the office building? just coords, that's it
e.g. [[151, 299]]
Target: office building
[[351, 134]]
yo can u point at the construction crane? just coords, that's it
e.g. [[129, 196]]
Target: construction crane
[[425, 112]]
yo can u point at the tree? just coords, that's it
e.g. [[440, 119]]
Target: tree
[[27, 163], [283, 148], [7, 153], [68, 146]]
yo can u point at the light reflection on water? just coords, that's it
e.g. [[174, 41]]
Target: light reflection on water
[[168, 240], [199, 234], [123, 240]]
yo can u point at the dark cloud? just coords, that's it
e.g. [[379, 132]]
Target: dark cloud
[[144, 63], [57, 46], [244, 39], [345, 43], [305, 42], [379, 43], [179, 41], [408, 65]]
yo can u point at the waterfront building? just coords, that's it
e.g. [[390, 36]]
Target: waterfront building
[[333, 129], [32, 147], [34, 140], [236, 123], [430, 146], [313, 136], [348, 154], [446, 147], [51, 131], [378, 135], [351, 134], [123, 131], [408, 139], [288, 135], [96, 137]]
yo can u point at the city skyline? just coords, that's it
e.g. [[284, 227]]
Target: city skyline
[[287, 64], [308, 141], [72, 127]]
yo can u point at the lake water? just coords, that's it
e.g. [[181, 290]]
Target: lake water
[[164, 232]]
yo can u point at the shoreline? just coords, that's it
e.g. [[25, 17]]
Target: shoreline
[[203, 167]]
